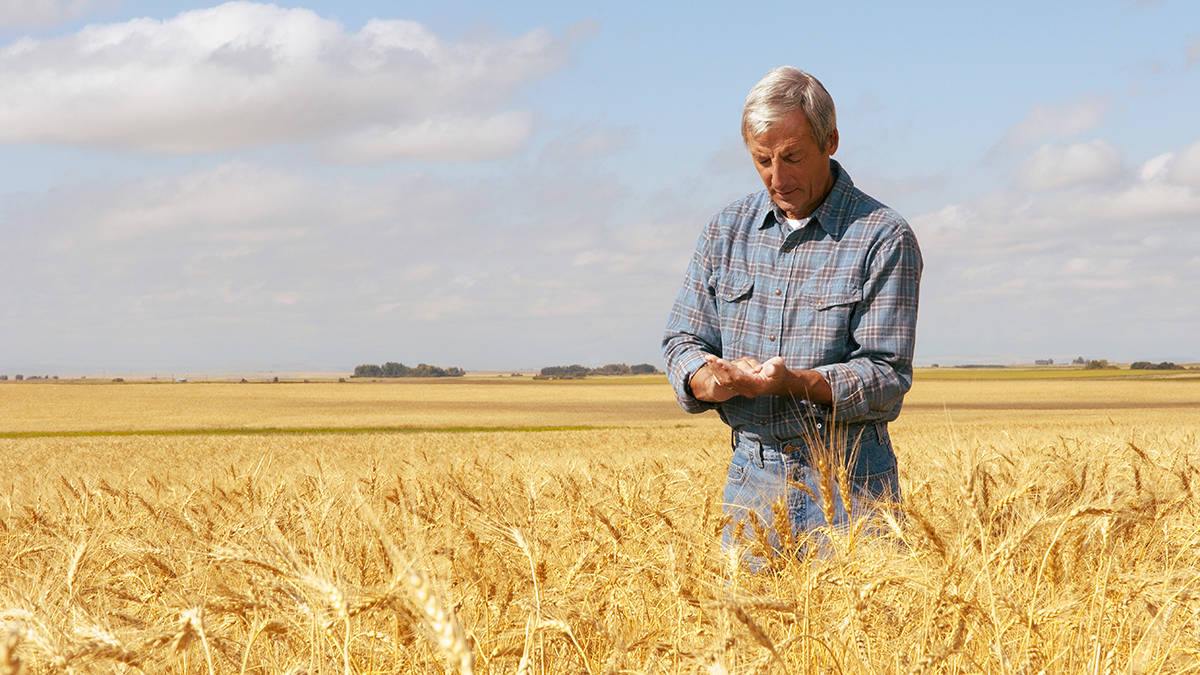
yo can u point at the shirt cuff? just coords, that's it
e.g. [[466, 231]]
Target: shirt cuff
[[684, 370], [849, 398]]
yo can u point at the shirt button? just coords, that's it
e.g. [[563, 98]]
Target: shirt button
[[778, 292], [772, 338]]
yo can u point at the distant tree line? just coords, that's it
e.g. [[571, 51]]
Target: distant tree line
[[1146, 365], [393, 369], [578, 372], [31, 377]]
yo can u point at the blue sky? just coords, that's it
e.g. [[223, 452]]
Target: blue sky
[[311, 186]]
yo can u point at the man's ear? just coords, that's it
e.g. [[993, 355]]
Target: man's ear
[[831, 146]]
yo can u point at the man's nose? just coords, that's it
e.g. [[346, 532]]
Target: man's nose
[[778, 178]]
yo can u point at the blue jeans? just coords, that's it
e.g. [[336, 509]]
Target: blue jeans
[[763, 475]]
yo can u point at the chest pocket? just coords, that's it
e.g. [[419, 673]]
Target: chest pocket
[[733, 292], [831, 311]]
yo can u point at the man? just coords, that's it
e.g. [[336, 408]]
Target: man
[[797, 318]]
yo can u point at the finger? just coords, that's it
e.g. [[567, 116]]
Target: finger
[[773, 368], [746, 366]]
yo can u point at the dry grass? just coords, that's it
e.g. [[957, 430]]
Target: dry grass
[[1023, 547]]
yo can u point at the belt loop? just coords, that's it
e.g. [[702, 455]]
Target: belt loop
[[758, 453], [881, 433]]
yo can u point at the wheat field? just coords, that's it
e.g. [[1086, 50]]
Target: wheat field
[[519, 527]]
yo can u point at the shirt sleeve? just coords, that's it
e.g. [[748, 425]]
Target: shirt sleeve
[[692, 329], [878, 372]]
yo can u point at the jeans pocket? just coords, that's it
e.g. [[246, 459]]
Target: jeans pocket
[[736, 474], [884, 486], [874, 473]]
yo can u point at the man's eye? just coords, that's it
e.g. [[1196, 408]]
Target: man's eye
[[764, 161]]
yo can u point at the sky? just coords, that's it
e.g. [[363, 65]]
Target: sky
[[194, 187]]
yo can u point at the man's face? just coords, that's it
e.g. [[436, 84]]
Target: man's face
[[793, 166]]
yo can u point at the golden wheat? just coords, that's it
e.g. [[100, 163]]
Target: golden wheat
[[1030, 540]]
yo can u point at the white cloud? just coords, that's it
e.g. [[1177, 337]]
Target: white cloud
[[1152, 203], [47, 13], [444, 139], [237, 201], [1100, 264], [1184, 168], [245, 74], [1053, 167], [1058, 121], [1155, 168], [412, 265], [1162, 192]]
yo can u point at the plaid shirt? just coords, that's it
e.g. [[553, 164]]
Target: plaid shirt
[[838, 295]]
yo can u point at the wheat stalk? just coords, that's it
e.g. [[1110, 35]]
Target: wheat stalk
[[448, 634], [191, 626], [760, 636], [10, 663]]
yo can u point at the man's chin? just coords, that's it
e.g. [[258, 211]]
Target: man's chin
[[787, 204]]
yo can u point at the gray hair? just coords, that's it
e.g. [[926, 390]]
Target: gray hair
[[783, 91]]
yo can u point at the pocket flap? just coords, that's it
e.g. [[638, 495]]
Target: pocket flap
[[733, 287], [832, 297]]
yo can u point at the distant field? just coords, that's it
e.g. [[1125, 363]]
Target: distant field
[[414, 403], [500, 525], [1022, 404], [498, 402], [1053, 372]]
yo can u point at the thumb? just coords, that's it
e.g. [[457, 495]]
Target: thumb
[[773, 365]]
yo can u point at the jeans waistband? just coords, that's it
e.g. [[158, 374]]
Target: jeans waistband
[[850, 432]]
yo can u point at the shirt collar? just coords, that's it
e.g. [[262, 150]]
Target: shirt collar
[[826, 213]]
